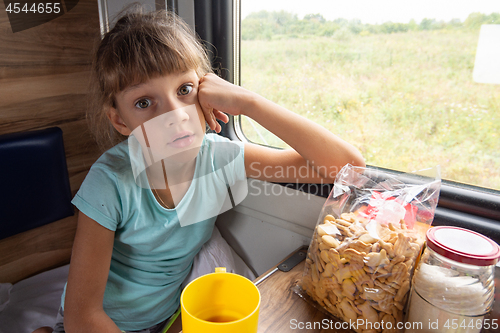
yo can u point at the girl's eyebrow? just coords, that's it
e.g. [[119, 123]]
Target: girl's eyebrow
[[132, 87], [183, 76]]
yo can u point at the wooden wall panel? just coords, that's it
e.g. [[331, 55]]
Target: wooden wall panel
[[63, 41], [44, 73], [37, 250]]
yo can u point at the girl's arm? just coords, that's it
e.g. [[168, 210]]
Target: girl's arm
[[88, 273], [317, 153]]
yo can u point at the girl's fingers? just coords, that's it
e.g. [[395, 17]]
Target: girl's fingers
[[209, 94], [211, 120], [216, 126], [221, 116], [216, 114]]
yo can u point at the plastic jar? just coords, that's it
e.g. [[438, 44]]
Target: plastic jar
[[453, 284]]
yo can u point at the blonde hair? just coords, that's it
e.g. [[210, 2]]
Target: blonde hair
[[140, 46]]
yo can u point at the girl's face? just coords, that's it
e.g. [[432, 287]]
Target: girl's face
[[163, 113]]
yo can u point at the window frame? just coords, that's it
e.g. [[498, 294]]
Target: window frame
[[218, 22]]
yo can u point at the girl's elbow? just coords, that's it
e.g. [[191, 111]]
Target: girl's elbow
[[359, 162], [353, 156]]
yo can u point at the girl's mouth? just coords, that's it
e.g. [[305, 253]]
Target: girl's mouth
[[182, 140]]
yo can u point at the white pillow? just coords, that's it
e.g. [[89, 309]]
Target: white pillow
[[5, 289], [33, 302], [217, 253]]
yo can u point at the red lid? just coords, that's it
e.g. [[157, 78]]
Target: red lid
[[463, 245]]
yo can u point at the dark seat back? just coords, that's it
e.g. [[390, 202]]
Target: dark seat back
[[34, 183]]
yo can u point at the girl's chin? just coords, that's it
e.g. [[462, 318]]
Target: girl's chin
[[183, 156]]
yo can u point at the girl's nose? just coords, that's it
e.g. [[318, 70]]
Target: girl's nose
[[176, 117]]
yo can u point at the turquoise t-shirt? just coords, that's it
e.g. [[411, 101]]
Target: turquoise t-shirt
[[152, 252]]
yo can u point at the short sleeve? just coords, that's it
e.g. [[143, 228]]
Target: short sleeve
[[98, 197]]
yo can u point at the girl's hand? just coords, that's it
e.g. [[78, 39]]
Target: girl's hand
[[313, 146], [218, 97]]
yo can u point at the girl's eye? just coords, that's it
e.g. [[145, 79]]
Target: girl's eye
[[143, 103], [186, 89]]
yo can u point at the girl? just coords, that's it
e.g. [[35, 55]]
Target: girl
[[136, 238]]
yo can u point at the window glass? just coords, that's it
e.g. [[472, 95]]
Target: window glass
[[394, 78]]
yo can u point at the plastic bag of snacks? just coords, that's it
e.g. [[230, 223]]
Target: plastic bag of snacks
[[368, 237]]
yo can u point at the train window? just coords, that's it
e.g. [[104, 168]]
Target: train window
[[393, 78]]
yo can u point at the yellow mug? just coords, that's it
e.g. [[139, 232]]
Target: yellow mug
[[220, 302]]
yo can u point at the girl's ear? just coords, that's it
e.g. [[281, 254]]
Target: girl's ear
[[117, 121]]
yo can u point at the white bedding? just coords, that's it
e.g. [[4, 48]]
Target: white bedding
[[34, 302]]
